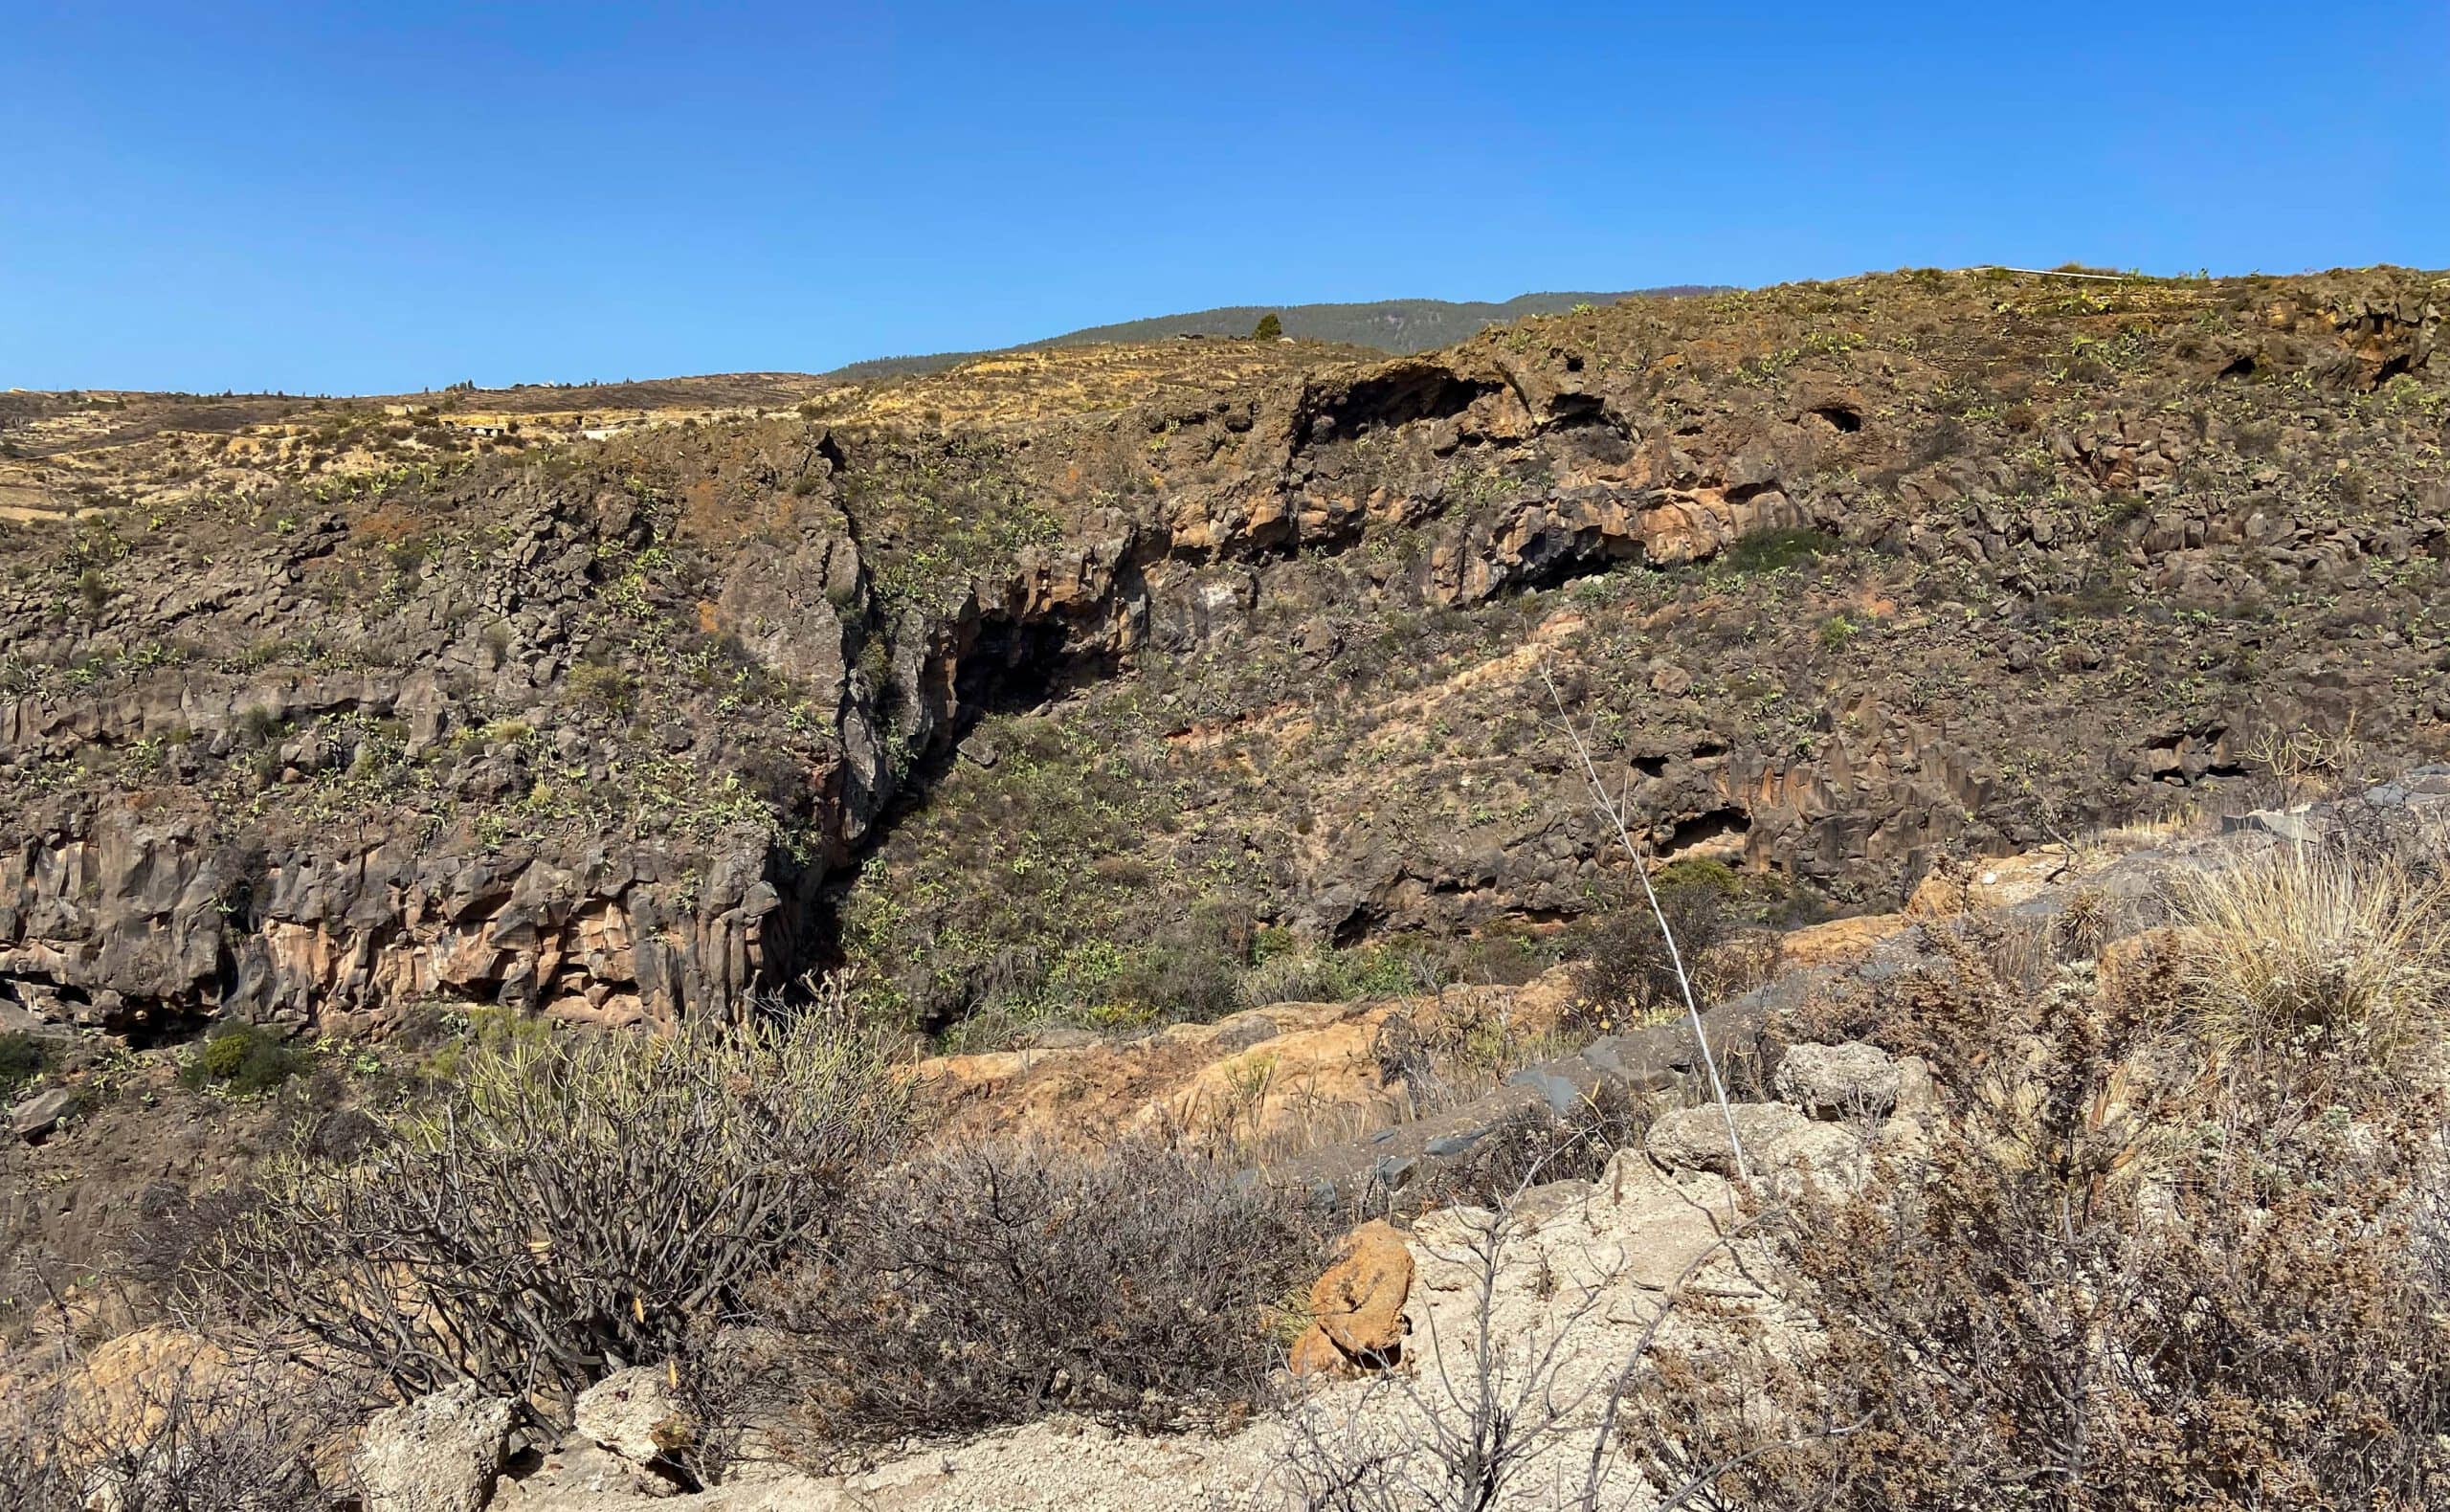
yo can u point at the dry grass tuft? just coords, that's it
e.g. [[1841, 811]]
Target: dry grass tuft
[[2313, 949]]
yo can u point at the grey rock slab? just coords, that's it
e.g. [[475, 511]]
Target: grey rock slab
[[1837, 1081], [1696, 1138], [33, 1119]]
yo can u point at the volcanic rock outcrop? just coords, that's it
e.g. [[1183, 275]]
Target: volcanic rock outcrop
[[1846, 577]]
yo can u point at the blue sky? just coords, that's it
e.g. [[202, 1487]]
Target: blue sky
[[354, 198]]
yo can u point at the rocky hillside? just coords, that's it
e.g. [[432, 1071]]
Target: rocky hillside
[[1949, 1131], [1105, 696]]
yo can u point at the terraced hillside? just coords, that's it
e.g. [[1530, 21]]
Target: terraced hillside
[[1109, 688]]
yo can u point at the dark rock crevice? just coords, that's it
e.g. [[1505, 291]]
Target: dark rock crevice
[[1397, 394]]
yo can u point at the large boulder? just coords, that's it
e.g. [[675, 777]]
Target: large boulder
[[33, 1120], [1696, 1138], [440, 1453], [638, 1415], [1848, 1080], [1357, 1304]]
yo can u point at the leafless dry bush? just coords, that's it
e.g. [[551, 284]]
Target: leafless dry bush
[[179, 1436], [1140, 1284], [2299, 765], [1445, 1050], [1472, 1421], [572, 1205], [1534, 1145], [2122, 1277], [1629, 976]]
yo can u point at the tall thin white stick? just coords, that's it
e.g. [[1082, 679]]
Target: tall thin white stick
[[1615, 815]]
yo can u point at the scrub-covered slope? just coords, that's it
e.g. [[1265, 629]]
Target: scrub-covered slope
[[1111, 693]]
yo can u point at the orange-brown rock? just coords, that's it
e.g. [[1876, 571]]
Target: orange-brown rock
[[1287, 1075], [1839, 939], [1357, 1304], [1992, 883]]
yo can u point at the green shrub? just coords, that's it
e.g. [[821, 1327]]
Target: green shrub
[[1308, 975], [1772, 551], [408, 554], [606, 686], [92, 592], [1268, 329], [21, 1060], [1187, 974], [245, 1060], [1701, 873]]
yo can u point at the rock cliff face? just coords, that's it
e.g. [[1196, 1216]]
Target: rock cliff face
[[1847, 576]]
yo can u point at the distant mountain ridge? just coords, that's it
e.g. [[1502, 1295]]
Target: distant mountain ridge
[[1393, 326]]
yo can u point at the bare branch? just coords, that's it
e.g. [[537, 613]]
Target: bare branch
[[1614, 812]]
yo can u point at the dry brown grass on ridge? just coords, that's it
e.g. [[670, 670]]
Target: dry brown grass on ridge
[[2313, 949], [1016, 388]]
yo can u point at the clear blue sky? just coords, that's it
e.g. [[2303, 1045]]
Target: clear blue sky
[[360, 198]]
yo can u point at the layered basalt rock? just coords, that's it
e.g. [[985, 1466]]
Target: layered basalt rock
[[601, 730]]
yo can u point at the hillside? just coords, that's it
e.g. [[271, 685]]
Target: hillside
[[1854, 576], [1116, 845], [1109, 1276], [66, 455], [1388, 326]]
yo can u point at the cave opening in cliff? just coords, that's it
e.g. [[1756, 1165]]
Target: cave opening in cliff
[[1011, 665], [1014, 666], [1719, 829], [1403, 393]]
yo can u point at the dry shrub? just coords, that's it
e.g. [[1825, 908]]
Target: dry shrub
[[2312, 956], [2111, 1283], [1299, 976], [1139, 1285], [1742, 960], [1958, 1006], [1628, 975], [187, 1434], [1533, 1146], [1453, 1048], [574, 1205]]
